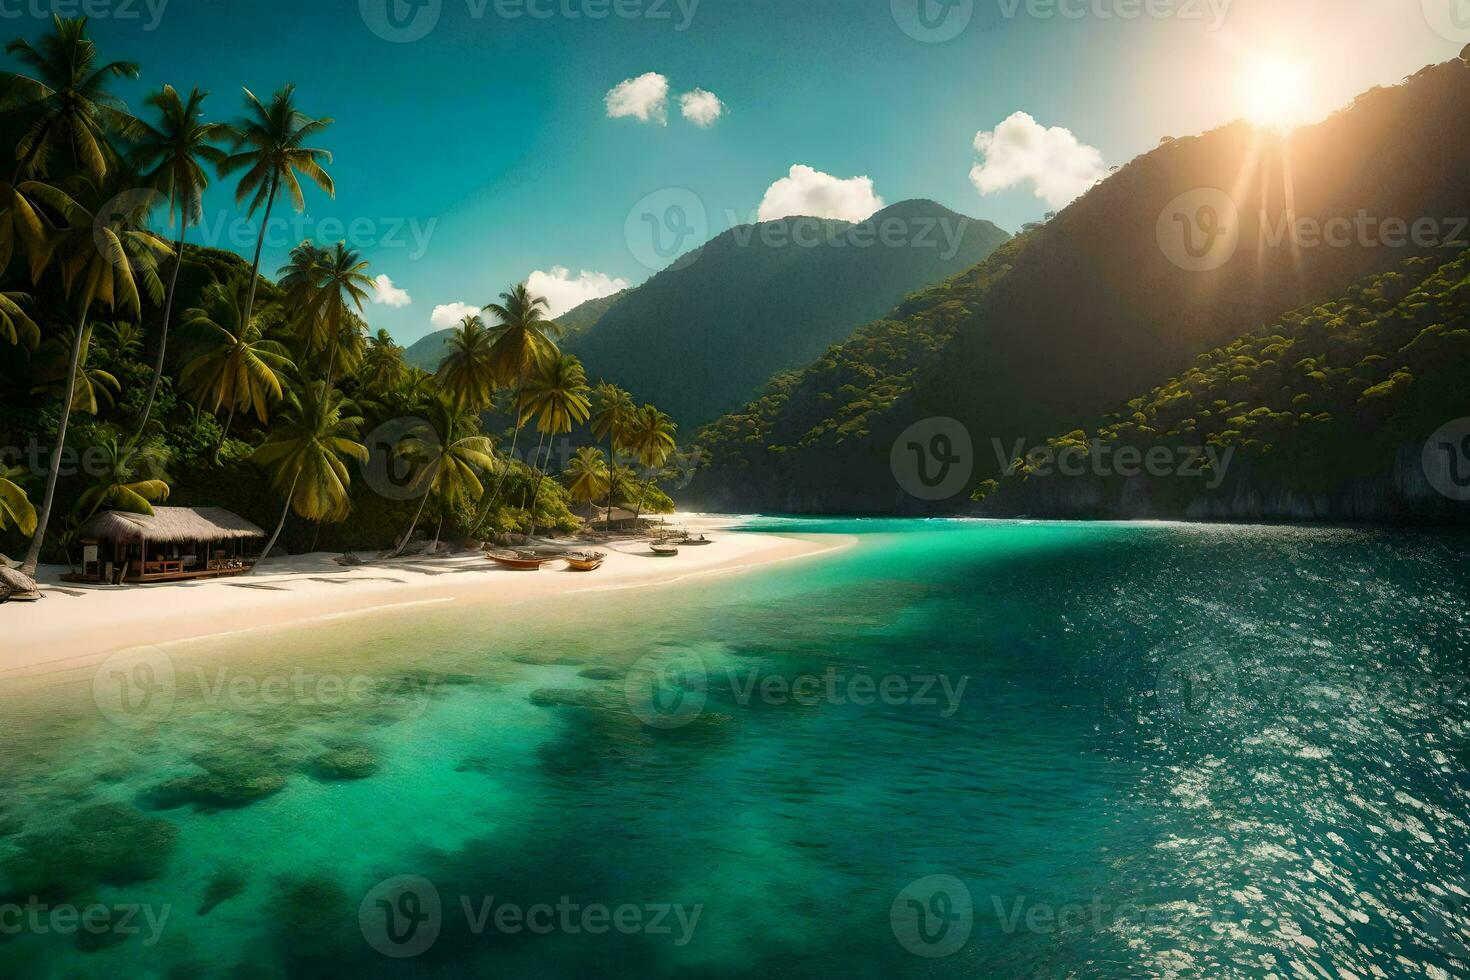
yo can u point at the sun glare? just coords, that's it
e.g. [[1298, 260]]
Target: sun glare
[[1274, 93]]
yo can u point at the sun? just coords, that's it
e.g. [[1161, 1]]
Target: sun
[[1274, 92]]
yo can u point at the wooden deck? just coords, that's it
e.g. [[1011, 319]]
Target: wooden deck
[[170, 573]]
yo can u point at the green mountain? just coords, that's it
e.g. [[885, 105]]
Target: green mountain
[[1103, 301], [702, 337], [1325, 415], [426, 353]]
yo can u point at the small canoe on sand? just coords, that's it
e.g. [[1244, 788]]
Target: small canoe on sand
[[585, 561], [664, 549], [522, 561]]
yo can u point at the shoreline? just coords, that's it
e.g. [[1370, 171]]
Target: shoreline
[[79, 625]]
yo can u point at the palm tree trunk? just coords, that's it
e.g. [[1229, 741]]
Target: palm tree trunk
[[281, 526], [540, 443], [259, 245], [536, 495], [168, 311], [53, 473], [407, 537], [438, 533], [612, 474], [515, 407], [225, 434]]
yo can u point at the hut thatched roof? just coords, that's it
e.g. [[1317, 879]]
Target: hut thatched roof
[[169, 525], [596, 515], [16, 582]]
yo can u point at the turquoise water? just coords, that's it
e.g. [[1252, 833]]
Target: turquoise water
[[954, 749]]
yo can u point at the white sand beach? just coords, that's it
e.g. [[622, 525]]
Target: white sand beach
[[76, 625]]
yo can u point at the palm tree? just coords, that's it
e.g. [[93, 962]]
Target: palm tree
[[62, 105], [468, 373], [651, 438], [382, 365], [131, 478], [613, 409], [15, 326], [103, 253], [174, 154], [556, 395], [328, 320], [447, 466], [15, 506], [305, 456], [93, 386], [522, 336], [270, 146], [65, 103], [233, 363], [124, 337], [587, 476]]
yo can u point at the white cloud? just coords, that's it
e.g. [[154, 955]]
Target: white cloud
[[565, 294], [645, 98], [388, 294], [449, 315], [701, 108], [1021, 151], [810, 192]]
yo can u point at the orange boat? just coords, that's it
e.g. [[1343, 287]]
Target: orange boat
[[585, 561], [521, 561]]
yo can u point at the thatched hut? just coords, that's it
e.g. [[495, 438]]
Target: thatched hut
[[170, 544], [591, 514], [17, 587]]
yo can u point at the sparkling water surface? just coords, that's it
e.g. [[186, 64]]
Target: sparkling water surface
[[971, 749]]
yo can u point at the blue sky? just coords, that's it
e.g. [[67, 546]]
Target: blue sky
[[483, 151]]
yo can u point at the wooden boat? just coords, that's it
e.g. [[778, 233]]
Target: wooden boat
[[698, 542], [585, 561], [665, 549], [521, 561]]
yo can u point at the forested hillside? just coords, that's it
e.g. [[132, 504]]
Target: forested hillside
[[1094, 306], [704, 336]]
